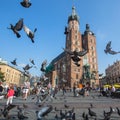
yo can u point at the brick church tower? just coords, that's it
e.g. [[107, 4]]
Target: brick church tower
[[73, 42], [65, 71]]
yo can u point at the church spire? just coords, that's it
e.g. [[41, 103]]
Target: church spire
[[73, 12], [73, 16]]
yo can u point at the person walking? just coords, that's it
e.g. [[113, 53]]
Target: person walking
[[10, 95], [74, 89], [64, 90], [26, 89]]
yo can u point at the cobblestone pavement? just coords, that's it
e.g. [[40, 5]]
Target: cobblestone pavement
[[80, 104]]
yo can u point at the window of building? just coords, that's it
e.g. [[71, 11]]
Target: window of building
[[76, 31], [77, 76], [7, 70], [76, 42], [91, 40], [92, 48], [92, 53], [75, 37]]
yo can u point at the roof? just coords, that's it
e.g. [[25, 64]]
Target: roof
[[58, 58]]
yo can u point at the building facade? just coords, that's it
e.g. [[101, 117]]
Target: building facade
[[12, 75], [65, 71], [113, 73]]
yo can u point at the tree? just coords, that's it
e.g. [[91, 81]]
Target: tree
[[2, 77]]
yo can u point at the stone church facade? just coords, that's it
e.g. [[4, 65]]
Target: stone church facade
[[65, 71]]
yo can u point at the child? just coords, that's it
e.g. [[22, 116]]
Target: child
[[10, 95]]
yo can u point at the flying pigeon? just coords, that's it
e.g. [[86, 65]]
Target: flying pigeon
[[14, 62], [43, 66], [75, 55], [32, 61], [76, 63], [100, 74], [17, 27], [66, 30], [29, 33], [109, 49], [44, 111], [76, 52], [27, 67], [26, 3]]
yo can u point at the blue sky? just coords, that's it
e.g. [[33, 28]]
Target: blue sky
[[50, 17]]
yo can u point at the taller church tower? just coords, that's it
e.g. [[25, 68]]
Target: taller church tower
[[73, 42], [73, 38]]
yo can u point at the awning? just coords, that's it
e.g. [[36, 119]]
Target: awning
[[105, 86], [117, 85]]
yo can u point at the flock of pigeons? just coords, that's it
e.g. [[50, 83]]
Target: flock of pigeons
[[28, 66], [20, 24], [66, 113], [18, 27], [106, 114]]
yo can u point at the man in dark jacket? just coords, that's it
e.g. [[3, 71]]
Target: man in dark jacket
[[1, 88]]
